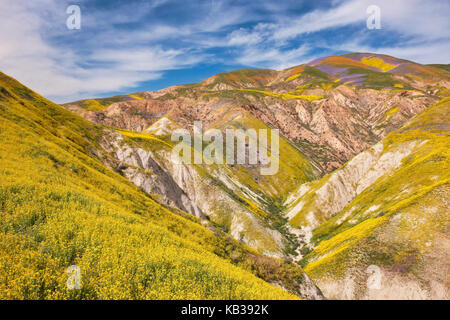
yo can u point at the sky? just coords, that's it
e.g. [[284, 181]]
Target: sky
[[145, 45]]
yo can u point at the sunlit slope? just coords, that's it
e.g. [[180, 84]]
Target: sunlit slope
[[238, 198], [387, 207], [59, 206], [293, 167]]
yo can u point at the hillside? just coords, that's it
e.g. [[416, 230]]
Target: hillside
[[330, 109], [387, 207], [59, 206], [236, 198], [324, 119]]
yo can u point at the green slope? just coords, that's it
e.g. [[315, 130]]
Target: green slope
[[100, 104], [60, 206], [237, 198], [400, 223]]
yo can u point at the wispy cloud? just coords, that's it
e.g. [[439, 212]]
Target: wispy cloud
[[274, 58], [123, 44]]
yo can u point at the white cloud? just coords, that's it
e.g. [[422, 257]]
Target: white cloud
[[345, 14], [427, 24], [144, 59], [56, 71], [105, 56], [408, 17], [243, 37], [426, 52], [274, 58]]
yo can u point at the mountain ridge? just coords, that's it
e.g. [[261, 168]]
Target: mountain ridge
[[298, 101]]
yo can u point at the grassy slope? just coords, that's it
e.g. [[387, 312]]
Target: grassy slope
[[445, 67], [102, 103], [59, 206], [261, 195], [399, 222]]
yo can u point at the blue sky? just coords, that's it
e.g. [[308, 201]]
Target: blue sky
[[130, 46]]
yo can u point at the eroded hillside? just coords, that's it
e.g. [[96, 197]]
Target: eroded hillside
[[331, 108], [388, 207], [362, 183]]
